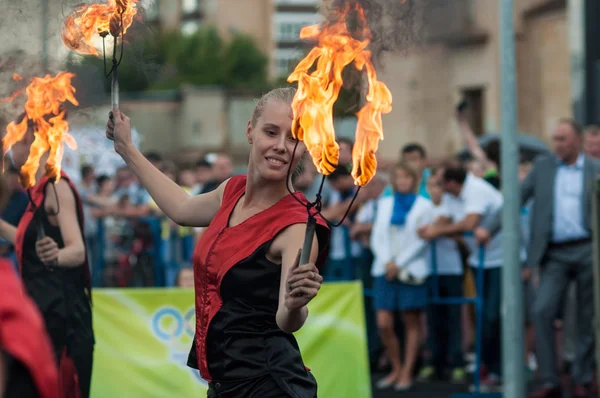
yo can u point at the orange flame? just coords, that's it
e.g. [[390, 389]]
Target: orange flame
[[43, 111], [318, 90], [87, 21]]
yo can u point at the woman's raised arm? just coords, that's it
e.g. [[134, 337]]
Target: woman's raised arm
[[189, 211]]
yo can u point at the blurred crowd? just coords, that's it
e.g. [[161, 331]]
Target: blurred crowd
[[418, 220]]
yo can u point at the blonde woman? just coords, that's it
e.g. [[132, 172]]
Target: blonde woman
[[400, 270]]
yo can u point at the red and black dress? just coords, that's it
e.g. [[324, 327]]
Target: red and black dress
[[238, 347], [61, 294], [31, 368]]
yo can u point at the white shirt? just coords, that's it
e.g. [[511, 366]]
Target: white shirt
[[480, 197], [366, 213], [568, 192], [447, 256], [400, 244], [338, 243]]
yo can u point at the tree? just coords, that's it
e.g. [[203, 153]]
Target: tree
[[193, 59], [244, 65]]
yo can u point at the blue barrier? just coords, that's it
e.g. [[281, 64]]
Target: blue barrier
[[478, 300], [166, 262]]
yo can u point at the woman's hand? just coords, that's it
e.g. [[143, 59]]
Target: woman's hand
[[391, 271], [118, 129], [302, 285], [47, 251]]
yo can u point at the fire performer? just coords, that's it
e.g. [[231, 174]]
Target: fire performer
[[27, 367], [49, 238], [251, 291]]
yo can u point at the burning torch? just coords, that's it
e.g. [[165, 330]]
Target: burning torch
[[318, 89], [87, 21], [45, 113]]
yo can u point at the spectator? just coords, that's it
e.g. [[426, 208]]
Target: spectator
[[14, 210], [560, 185], [155, 159], [486, 162], [203, 176], [530, 283], [87, 188], [416, 156], [444, 321], [591, 141], [309, 182], [134, 200], [222, 169], [344, 253], [346, 146], [400, 272], [185, 278], [477, 201]]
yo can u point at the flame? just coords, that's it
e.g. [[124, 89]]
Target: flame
[[44, 111], [87, 21], [318, 90]]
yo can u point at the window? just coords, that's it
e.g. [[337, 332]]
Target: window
[[287, 25], [190, 6], [190, 27], [474, 98], [152, 10]]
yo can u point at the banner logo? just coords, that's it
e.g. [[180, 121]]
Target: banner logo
[[176, 330]]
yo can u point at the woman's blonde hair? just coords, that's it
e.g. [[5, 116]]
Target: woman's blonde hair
[[282, 94], [411, 171]]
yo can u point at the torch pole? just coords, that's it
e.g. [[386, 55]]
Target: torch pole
[[512, 287], [114, 91], [114, 87], [311, 225]]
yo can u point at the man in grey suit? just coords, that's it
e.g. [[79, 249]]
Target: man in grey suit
[[561, 244]]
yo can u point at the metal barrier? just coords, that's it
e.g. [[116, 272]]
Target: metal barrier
[[596, 262], [166, 262], [478, 301]]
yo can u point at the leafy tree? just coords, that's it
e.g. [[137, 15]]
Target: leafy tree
[[244, 65]]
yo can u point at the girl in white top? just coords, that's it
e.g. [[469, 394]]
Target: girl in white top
[[400, 270]]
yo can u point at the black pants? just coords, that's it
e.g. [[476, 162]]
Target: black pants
[[83, 357], [444, 326], [20, 382], [82, 354], [259, 387]]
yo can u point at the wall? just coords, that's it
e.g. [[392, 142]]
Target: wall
[[426, 82]]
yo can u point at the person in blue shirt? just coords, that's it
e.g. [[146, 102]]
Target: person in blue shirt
[[15, 208], [415, 156]]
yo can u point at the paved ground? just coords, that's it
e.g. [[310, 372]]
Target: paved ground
[[433, 390], [430, 390]]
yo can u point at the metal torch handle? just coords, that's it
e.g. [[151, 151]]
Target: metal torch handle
[[115, 88], [114, 93], [41, 232], [311, 225]]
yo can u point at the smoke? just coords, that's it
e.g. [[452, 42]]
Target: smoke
[[396, 25]]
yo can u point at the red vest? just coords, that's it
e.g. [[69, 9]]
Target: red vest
[[222, 247], [23, 333], [37, 194]]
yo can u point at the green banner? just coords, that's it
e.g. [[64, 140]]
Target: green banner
[[143, 337]]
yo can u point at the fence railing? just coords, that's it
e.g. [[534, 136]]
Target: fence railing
[[146, 239]]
